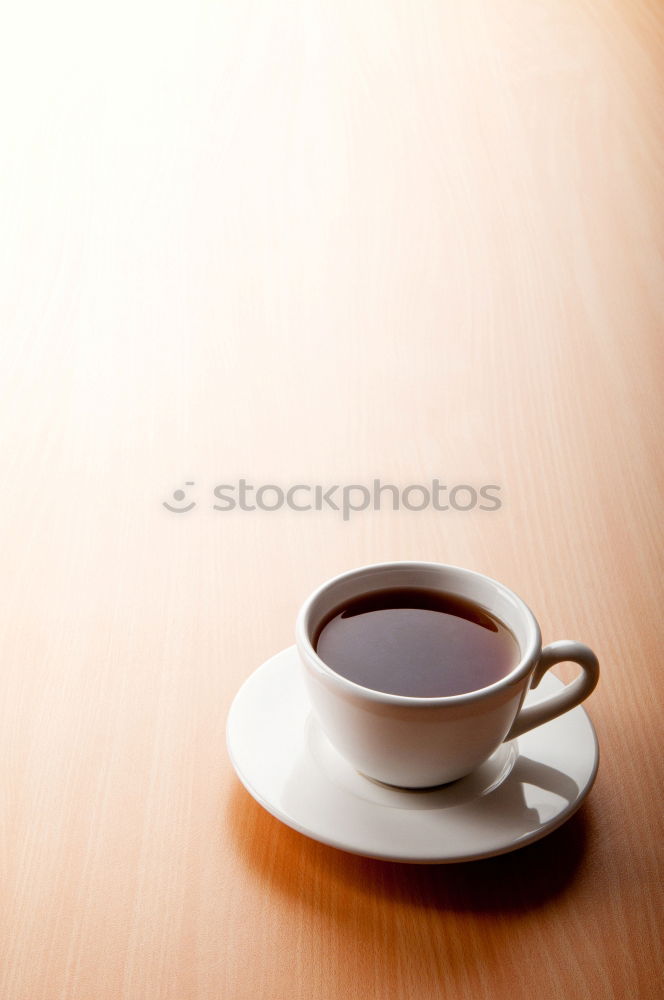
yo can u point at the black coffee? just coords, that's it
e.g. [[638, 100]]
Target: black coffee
[[420, 643]]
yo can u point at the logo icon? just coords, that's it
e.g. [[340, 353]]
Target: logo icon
[[179, 496]]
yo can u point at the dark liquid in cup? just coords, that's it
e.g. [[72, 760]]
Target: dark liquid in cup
[[415, 642]]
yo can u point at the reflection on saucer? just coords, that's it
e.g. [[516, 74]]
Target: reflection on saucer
[[490, 775]]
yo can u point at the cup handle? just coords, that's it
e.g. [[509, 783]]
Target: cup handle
[[572, 694]]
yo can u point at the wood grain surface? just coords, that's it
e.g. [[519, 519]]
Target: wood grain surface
[[317, 242]]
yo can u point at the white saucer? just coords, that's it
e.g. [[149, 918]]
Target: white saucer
[[524, 791]]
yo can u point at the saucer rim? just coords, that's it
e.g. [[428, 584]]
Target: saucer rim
[[538, 834]]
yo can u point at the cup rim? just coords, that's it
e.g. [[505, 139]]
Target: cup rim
[[528, 659]]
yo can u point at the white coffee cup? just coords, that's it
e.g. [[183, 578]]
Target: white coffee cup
[[416, 742]]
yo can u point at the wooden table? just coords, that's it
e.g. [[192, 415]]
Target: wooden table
[[317, 243]]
